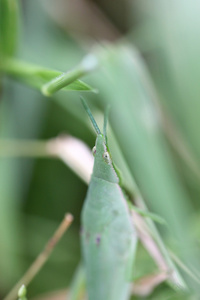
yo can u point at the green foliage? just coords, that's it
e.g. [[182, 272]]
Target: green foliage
[[38, 77], [8, 27], [150, 79]]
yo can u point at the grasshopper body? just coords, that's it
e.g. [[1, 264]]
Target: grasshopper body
[[108, 235]]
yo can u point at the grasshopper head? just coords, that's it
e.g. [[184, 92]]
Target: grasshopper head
[[103, 166]]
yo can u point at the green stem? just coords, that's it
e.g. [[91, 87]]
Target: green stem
[[61, 81], [88, 64], [27, 148], [49, 81], [19, 68]]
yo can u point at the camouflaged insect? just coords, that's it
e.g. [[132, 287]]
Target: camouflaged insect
[[108, 235]]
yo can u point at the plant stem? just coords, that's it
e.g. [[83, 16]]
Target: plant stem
[[24, 148], [73, 152], [88, 64], [49, 81]]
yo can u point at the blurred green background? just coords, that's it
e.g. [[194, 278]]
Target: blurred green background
[[149, 73]]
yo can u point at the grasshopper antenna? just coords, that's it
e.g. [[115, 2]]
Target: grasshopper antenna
[[106, 120], [90, 116]]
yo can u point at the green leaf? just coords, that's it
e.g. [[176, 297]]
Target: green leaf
[[8, 27]]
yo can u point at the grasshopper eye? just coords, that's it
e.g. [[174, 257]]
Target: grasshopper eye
[[106, 157], [94, 150]]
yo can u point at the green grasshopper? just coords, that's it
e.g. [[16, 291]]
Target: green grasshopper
[[108, 235]]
